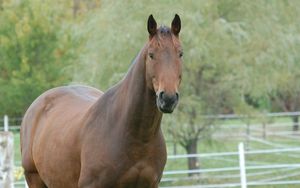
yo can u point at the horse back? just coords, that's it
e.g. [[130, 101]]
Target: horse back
[[53, 123]]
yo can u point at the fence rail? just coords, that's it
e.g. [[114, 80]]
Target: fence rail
[[295, 166], [258, 171], [243, 168], [237, 184]]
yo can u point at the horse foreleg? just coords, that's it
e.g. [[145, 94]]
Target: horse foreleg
[[34, 180]]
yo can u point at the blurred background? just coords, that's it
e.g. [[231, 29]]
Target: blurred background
[[240, 79]]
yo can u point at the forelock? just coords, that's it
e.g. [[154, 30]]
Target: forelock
[[164, 34], [164, 31]]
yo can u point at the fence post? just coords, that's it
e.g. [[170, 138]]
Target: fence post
[[242, 165], [6, 128], [248, 134], [6, 160], [264, 130], [175, 148]]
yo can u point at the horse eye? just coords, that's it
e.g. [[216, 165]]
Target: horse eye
[[151, 55], [180, 54]]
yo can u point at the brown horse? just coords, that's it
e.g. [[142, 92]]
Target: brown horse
[[76, 136]]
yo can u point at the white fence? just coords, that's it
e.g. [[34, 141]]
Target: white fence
[[10, 124], [6, 160], [239, 171], [261, 166], [17, 120]]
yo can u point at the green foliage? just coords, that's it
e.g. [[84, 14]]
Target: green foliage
[[114, 36], [35, 52], [240, 56], [237, 54]]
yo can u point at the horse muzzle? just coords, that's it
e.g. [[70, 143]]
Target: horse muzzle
[[166, 103]]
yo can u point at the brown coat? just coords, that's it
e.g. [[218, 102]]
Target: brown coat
[[76, 136]]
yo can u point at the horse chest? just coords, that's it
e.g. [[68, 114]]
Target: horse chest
[[130, 170], [137, 176], [140, 176]]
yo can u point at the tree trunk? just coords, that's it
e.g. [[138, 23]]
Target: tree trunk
[[193, 162], [295, 123]]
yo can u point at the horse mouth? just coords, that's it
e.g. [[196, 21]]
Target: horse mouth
[[165, 110]]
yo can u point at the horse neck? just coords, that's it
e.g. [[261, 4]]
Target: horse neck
[[139, 112]]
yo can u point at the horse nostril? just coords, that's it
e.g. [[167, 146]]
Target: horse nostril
[[168, 98], [161, 95], [167, 102]]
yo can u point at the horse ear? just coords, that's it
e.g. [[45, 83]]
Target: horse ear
[[152, 26], [176, 25]]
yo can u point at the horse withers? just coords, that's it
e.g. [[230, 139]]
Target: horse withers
[[77, 136]]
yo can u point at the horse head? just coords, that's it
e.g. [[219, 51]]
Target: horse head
[[163, 63]]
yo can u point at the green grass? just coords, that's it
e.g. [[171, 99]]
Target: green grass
[[230, 144], [233, 161]]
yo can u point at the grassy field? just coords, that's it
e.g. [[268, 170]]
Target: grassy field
[[229, 137], [230, 144]]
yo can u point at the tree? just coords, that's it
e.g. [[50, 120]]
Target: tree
[[239, 57], [34, 53], [210, 83], [275, 59], [242, 53], [225, 43], [209, 86]]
